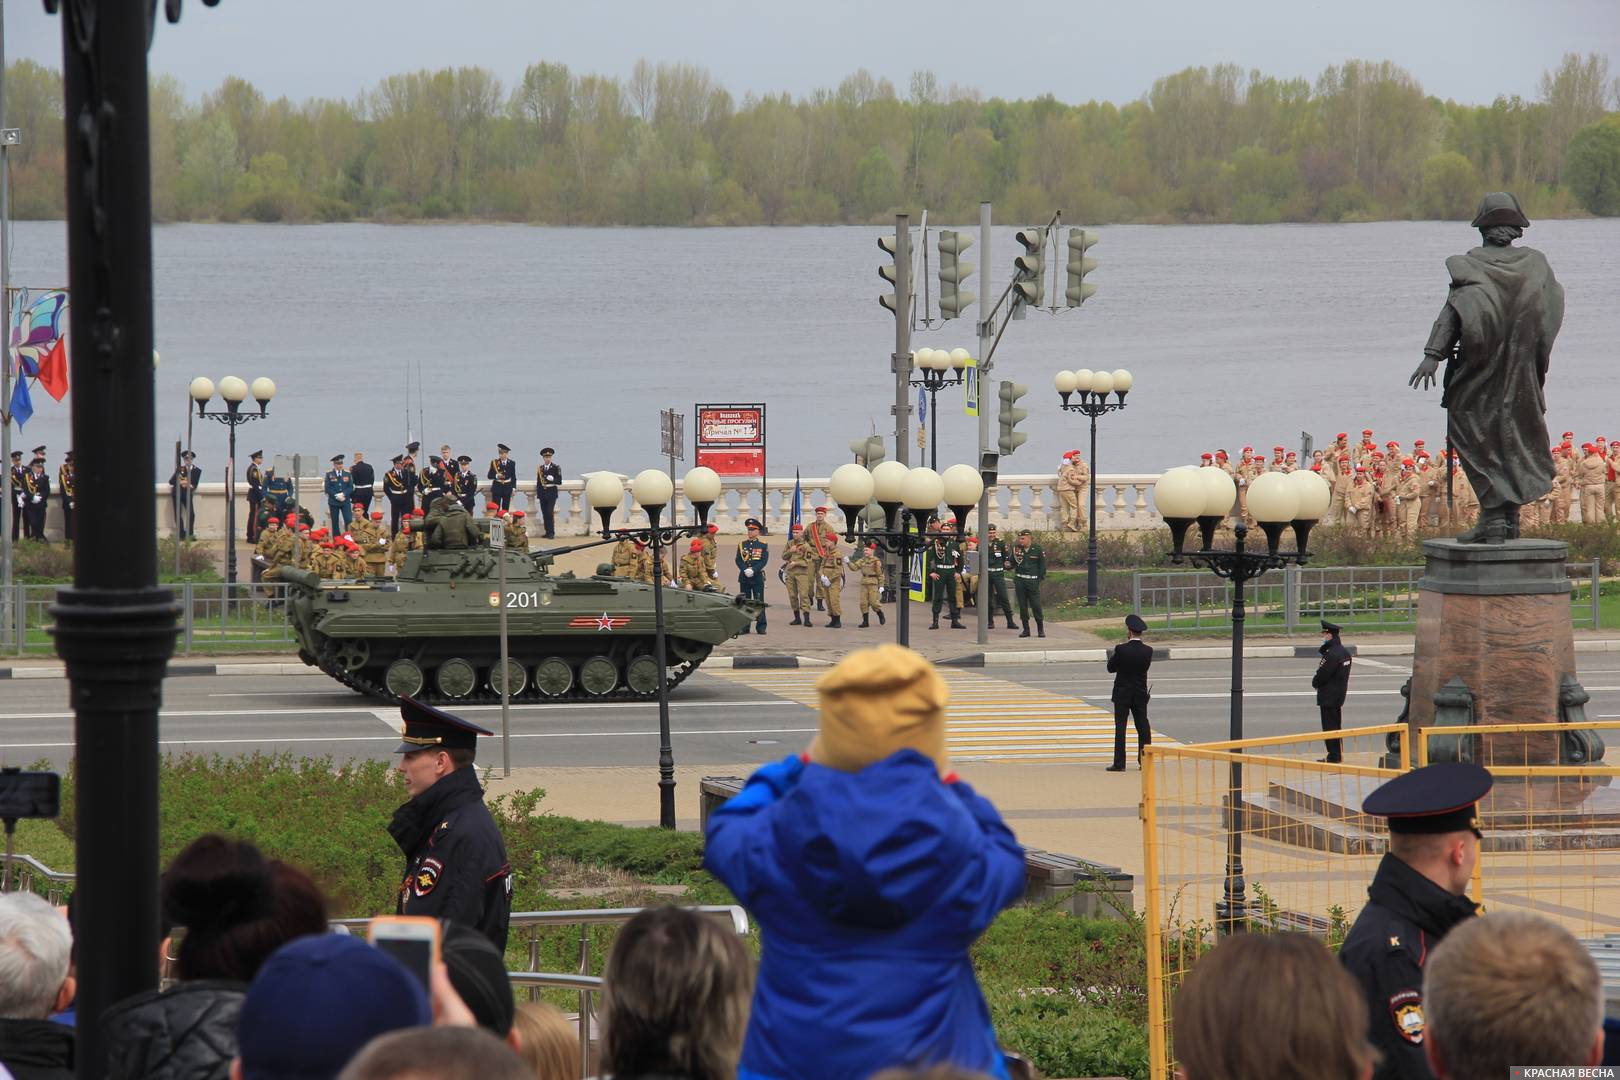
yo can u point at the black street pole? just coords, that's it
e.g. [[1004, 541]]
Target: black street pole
[[1091, 516], [1231, 911], [230, 508], [902, 622], [666, 749], [114, 627]]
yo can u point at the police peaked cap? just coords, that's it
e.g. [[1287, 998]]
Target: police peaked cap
[[427, 728], [255, 454], [397, 458], [411, 448], [1438, 798], [1500, 208], [1135, 624], [502, 448], [1330, 628]]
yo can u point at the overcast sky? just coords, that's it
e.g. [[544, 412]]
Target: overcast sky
[[1467, 50]]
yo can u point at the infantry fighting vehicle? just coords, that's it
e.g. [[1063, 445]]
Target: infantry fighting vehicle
[[433, 632]]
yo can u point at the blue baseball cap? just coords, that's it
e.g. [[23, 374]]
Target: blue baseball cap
[[317, 1001]]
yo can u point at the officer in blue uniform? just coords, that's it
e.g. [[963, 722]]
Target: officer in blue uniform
[[279, 491], [502, 477], [339, 495], [255, 495], [435, 481], [752, 555], [1418, 894], [455, 862], [365, 483], [465, 483], [546, 485]]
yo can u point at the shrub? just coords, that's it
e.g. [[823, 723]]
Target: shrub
[[34, 562]]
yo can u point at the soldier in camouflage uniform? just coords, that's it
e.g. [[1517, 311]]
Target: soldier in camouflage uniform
[[517, 531], [624, 559], [798, 566], [831, 576], [709, 549], [693, 574], [870, 567]]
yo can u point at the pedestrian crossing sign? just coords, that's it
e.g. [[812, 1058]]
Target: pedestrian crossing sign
[[970, 387]]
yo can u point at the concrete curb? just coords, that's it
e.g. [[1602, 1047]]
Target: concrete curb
[[765, 663]]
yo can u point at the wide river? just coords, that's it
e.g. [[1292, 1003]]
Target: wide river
[[576, 338]]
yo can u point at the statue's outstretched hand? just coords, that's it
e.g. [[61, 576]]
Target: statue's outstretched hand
[[1423, 377]]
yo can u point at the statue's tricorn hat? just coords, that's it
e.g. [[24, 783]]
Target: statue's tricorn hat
[[1500, 208]]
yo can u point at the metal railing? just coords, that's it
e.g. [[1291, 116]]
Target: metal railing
[[27, 874], [529, 924], [1298, 597], [214, 617]]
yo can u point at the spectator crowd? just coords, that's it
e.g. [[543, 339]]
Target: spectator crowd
[[871, 868]]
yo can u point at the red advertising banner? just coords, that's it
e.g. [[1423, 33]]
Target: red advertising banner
[[730, 438]]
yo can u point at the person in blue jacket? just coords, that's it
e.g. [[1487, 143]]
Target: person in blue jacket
[[870, 869]]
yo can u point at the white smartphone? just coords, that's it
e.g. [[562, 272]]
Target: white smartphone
[[413, 940]]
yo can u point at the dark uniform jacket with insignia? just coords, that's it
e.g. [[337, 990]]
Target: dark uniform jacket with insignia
[[1405, 918], [455, 862], [1332, 678]]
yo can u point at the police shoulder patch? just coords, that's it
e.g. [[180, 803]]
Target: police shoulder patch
[[1406, 1010], [427, 876]]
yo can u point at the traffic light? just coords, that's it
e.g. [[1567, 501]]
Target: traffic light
[[1011, 415], [887, 273], [1028, 269], [1080, 264], [869, 450], [953, 271]]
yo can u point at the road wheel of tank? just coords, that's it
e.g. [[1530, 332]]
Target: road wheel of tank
[[599, 676], [688, 650], [353, 655], [642, 675], [553, 677], [455, 678], [514, 674], [403, 678]]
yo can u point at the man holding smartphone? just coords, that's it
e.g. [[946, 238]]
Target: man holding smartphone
[[455, 861]]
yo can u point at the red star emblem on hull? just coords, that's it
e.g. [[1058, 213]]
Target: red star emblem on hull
[[599, 622]]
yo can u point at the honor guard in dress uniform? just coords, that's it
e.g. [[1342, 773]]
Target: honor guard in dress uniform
[[452, 466], [944, 563], [397, 486], [183, 484], [365, 483], [436, 481], [465, 482], [455, 862], [67, 492], [410, 469], [870, 567], [339, 495], [255, 493], [1418, 894], [997, 561], [752, 555], [1029, 570], [547, 482], [502, 476], [1129, 661], [39, 501], [17, 478]]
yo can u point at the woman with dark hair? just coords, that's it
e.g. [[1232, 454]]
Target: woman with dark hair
[[674, 999], [236, 908]]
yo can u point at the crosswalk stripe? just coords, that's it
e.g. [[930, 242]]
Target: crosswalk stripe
[[990, 719]]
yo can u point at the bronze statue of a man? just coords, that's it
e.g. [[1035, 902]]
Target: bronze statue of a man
[[1501, 316]]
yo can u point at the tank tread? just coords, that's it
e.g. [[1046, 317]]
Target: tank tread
[[674, 675]]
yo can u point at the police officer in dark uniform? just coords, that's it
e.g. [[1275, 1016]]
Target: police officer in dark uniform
[[409, 466], [279, 491], [546, 485], [1129, 662], [435, 481], [455, 862], [365, 483], [1332, 682], [752, 555], [67, 492], [183, 484], [255, 494], [465, 482], [502, 477], [19, 498], [39, 501], [1418, 894]]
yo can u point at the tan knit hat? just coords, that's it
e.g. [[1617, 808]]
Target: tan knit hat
[[877, 701]]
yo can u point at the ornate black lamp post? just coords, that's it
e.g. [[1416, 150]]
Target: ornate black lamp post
[[1093, 388], [653, 490], [1278, 501], [909, 499], [233, 392], [940, 368]]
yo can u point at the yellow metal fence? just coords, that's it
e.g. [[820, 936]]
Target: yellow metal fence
[[1260, 835]]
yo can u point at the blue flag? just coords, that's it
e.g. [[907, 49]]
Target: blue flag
[[22, 406], [922, 405], [798, 497]]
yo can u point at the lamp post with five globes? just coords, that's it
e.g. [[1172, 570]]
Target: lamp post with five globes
[[1277, 501], [233, 391], [940, 368], [909, 499], [1093, 388], [652, 489]]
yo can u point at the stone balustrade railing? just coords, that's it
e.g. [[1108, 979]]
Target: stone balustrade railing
[[1017, 502]]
